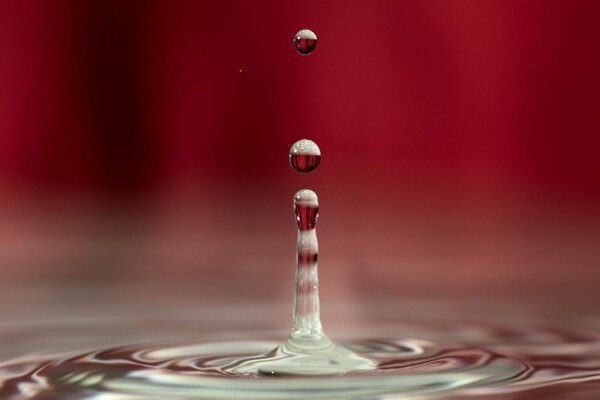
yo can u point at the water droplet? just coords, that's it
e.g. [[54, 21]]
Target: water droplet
[[305, 156], [305, 42]]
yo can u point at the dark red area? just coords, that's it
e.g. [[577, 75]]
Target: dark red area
[[461, 97], [307, 257]]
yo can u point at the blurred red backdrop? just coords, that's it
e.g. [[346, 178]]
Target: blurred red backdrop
[[467, 130]]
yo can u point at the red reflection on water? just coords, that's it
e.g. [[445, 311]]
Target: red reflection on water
[[305, 46], [306, 216], [305, 163]]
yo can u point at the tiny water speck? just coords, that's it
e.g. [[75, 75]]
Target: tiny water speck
[[305, 41]]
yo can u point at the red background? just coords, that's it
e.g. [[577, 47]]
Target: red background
[[150, 139]]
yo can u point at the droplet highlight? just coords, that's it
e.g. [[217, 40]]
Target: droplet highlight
[[305, 42], [305, 156]]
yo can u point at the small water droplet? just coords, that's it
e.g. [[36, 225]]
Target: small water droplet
[[305, 156], [305, 42]]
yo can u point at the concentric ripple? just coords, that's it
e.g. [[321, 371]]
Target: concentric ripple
[[197, 370], [445, 360]]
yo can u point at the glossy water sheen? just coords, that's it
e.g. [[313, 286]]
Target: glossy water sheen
[[446, 360], [305, 42]]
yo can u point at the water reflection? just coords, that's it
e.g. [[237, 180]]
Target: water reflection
[[79, 279]]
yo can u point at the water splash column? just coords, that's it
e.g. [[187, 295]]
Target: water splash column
[[306, 320]]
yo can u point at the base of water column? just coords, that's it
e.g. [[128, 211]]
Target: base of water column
[[304, 356]]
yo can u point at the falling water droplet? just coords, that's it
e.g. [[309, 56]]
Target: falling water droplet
[[305, 156], [305, 42]]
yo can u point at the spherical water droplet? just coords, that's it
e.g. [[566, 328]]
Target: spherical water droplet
[[305, 156], [305, 42]]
